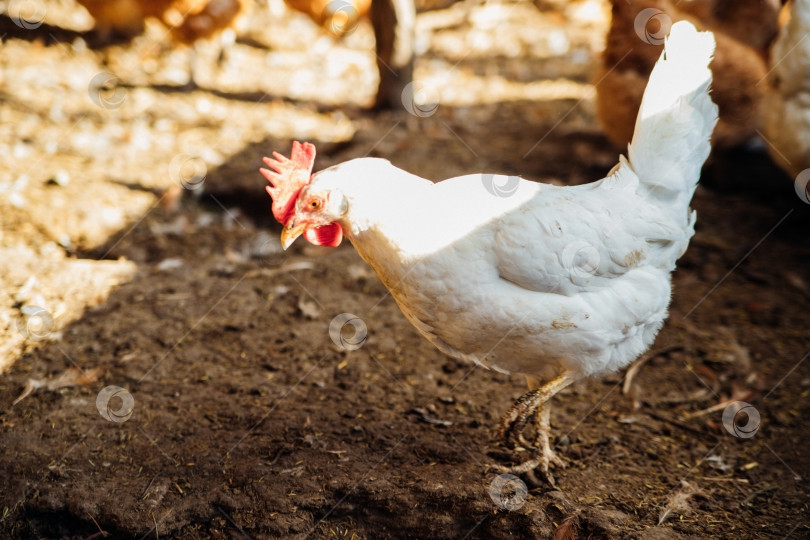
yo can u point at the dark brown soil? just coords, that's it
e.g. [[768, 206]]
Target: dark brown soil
[[247, 420]]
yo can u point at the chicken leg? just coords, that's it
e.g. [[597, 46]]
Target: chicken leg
[[534, 406]]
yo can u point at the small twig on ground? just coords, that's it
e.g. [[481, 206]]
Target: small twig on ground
[[284, 268], [69, 377], [749, 501], [101, 532], [634, 368], [740, 395], [681, 425]]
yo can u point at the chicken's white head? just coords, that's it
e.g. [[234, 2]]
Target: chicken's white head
[[298, 204], [317, 216]]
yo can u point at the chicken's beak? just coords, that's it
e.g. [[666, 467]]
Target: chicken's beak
[[292, 230]]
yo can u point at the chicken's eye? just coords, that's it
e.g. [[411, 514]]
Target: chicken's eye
[[314, 203]]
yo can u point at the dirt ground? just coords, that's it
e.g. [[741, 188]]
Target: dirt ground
[[137, 251]]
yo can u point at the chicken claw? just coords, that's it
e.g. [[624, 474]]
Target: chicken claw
[[534, 406]]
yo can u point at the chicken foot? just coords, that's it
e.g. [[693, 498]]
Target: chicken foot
[[534, 406]]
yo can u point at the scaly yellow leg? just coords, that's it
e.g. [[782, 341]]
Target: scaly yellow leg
[[534, 406]]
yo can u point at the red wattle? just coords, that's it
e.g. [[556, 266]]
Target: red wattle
[[327, 235]]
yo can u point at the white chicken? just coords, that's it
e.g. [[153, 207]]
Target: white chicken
[[787, 122], [557, 283]]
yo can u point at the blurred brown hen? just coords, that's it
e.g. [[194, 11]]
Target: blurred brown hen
[[337, 17], [743, 33], [188, 20], [394, 24]]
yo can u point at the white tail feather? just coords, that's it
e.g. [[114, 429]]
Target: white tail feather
[[675, 122]]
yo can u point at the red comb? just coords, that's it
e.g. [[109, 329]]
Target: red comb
[[289, 177]]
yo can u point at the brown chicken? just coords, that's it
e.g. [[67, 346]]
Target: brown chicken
[[188, 20], [751, 22], [787, 121], [394, 28], [743, 33], [337, 17]]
